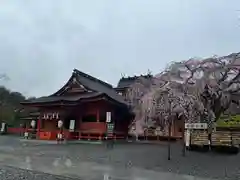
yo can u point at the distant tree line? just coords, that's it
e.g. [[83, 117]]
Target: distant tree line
[[11, 110]]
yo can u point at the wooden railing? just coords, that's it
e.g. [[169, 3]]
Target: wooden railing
[[94, 135], [15, 130], [101, 126]]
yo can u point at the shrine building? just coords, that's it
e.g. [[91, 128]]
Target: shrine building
[[83, 106], [126, 82]]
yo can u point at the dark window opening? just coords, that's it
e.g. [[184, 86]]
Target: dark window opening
[[66, 121], [89, 118], [102, 117], [66, 124]]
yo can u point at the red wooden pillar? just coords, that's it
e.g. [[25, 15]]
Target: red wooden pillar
[[98, 119], [98, 115], [79, 126]]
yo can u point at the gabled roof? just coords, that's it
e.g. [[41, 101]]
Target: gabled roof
[[94, 86], [87, 81], [126, 82]]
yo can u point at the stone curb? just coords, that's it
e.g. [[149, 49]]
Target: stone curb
[[55, 142]]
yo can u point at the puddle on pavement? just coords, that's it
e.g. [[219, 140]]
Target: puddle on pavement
[[85, 169], [7, 148]]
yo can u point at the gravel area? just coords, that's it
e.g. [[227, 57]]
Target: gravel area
[[10, 173]]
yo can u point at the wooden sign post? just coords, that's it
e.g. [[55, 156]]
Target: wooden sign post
[[110, 130], [109, 117], [110, 125]]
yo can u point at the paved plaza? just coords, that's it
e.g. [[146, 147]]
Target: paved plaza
[[126, 161]]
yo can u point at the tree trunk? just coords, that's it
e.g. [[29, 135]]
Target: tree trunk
[[169, 143], [183, 137]]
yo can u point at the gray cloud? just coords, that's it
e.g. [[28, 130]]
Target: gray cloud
[[42, 41]]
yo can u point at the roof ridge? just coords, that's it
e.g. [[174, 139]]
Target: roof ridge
[[136, 77], [92, 78]]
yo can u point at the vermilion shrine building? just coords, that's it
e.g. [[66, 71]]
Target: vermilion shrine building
[[82, 104]]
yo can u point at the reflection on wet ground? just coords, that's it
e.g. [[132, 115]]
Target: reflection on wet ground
[[123, 162]]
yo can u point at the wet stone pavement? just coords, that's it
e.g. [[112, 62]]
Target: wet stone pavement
[[11, 173], [124, 162]]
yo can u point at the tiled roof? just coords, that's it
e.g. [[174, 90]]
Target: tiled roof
[[98, 88], [126, 82], [49, 99]]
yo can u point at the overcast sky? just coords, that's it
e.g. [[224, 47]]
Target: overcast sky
[[42, 41]]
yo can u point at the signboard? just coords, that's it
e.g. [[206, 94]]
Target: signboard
[[72, 125], [108, 115], [50, 116], [3, 127], [187, 138], [196, 126], [60, 123], [110, 128]]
